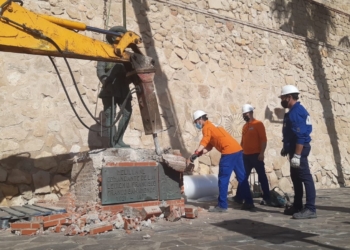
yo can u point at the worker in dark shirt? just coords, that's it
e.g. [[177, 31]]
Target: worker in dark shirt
[[296, 144]]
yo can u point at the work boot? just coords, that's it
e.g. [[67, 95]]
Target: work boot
[[290, 210], [123, 124], [217, 209], [305, 214], [247, 206]]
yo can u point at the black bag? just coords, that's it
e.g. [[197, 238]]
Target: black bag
[[278, 200]]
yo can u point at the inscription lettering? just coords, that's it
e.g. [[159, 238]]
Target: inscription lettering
[[125, 184]]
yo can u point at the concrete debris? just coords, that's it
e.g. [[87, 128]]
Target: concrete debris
[[91, 219], [147, 236], [176, 162]]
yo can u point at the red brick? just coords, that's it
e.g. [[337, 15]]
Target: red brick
[[25, 225], [51, 223], [148, 212], [56, 222], [126, 224], [21, 225], [153, 163], [126, 164], [175, 215], [36, 225], [101, 229], [190, 216], [28, 231], [141, 164], [56, 216], [58, 228], [140, 205], [191, 212], [113, 208]]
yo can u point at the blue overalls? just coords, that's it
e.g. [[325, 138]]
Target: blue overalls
[[296, 130]]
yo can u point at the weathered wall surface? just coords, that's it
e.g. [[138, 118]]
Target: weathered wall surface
[[211, 55]]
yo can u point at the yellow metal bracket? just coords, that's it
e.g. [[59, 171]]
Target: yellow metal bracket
[[129, 38]]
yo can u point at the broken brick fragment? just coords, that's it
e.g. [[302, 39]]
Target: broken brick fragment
[[191, 212], [149, 212], [97, 229], [174, 215]]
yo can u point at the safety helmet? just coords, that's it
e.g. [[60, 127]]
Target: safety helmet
[[117, 29], [197, 114], [247, 108], [289, 89]]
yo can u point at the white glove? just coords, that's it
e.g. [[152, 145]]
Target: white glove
[[295, 161]]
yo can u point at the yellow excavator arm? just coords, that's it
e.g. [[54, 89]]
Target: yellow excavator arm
[[23, 31]]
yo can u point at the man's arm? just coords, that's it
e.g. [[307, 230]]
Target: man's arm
[[300, 130], [263, 141]]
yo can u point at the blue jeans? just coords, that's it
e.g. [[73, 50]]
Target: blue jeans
[[302, 176], [251, 161], [229, 163]]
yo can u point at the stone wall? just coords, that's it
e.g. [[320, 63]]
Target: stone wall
[[211, 55]]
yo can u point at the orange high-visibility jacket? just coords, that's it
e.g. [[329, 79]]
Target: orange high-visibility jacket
[[253, 135], [219, 138]]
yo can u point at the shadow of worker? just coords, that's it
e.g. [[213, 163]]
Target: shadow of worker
[[98, 135], [274, 116]]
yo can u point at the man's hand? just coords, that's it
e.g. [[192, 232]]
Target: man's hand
[[283, 152], [195, 155], [295, 161]]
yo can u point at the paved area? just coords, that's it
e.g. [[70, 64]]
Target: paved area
[[266, 228]]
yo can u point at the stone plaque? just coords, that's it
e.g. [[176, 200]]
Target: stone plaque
[[129, 184], [169, 183]]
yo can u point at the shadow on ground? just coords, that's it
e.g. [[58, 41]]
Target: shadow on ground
[[270, 233]]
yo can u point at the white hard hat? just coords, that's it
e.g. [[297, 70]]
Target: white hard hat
[[247, 108], [197, 114], [289, 89]]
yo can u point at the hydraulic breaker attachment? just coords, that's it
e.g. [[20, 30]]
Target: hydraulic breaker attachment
[[147, 99]]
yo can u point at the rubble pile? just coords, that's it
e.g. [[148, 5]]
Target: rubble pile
[[91, 219]]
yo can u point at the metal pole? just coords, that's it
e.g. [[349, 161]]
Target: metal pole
[[111, 122], [124, 14]]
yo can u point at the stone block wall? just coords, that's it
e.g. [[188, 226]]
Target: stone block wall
[[211, 55]]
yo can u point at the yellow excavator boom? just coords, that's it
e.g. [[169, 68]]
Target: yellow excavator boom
[[24, 31]]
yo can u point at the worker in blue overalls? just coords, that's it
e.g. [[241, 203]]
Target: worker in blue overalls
[[296, 144]]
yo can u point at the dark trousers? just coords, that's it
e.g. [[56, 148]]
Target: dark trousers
[[302, 176], [229, 163], [251, 161]]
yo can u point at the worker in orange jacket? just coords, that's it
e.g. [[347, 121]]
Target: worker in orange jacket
[[254, 144], [231, 159]]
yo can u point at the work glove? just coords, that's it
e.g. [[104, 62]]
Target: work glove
[[295, 161], [283, 152], [195, 156]]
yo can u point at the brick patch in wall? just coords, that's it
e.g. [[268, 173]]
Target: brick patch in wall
[[141, 205]]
